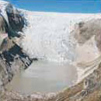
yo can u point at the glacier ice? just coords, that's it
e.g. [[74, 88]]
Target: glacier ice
[[48, 36]]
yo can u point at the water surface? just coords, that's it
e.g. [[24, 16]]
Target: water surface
[[44, 77]]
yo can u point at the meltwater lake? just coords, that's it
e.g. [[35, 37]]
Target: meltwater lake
[[44, 77]]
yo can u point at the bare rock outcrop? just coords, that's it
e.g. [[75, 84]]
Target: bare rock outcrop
[[12, 57], [15, 19]]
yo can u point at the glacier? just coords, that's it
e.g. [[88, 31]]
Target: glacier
[[48, 36]]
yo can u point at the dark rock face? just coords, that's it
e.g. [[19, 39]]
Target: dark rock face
[[12, 58], [15, 52], [2, 24], [12, 61], [16, 21]]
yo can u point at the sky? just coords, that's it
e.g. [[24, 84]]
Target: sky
[[68, 6]]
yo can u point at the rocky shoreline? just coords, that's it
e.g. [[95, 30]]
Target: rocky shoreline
[[88, 89]]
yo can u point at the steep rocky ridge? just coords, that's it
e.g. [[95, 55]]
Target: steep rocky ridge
[[12, 57]]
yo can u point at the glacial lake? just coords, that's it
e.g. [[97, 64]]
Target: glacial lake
[[44, 77]]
